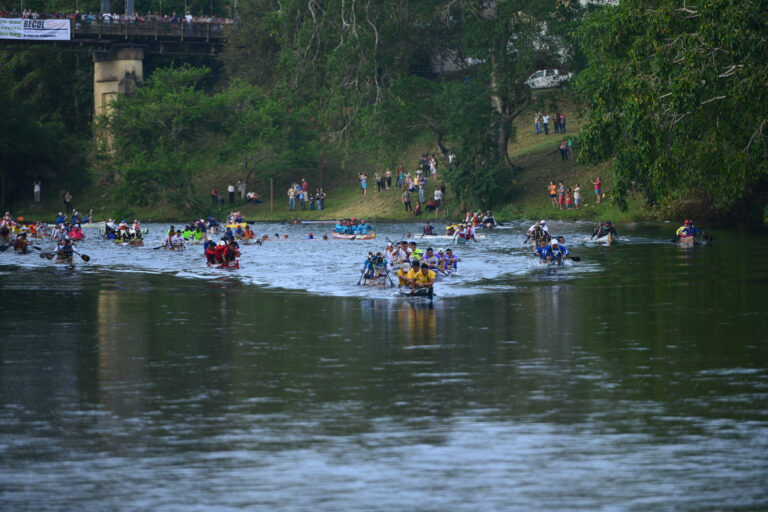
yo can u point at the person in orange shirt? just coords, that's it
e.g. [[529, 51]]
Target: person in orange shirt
[[553, 193]]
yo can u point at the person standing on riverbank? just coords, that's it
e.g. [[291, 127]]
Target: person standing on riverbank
[[561, 195], [68, 202], [292, 197], [552, 193], [545, 120], [231, 193], [598, 188], [577, 196], [37, 191], [407, 200]]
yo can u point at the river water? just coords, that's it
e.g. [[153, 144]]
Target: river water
[[635, 379]]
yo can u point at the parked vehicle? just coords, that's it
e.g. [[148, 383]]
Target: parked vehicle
[[546, 78]]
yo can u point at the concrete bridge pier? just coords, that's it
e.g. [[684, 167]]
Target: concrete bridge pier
[[115, 72]]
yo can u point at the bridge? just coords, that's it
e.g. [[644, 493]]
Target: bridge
[[117, 47]]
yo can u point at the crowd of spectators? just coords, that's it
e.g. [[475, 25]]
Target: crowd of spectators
[[107, 17]]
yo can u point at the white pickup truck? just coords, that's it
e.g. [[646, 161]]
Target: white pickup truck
[[546, 78]]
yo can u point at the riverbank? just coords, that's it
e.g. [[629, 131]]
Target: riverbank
[[537, 156]]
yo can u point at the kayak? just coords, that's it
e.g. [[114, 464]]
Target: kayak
[[444, 237], [341, 236], [232, 265], [236, 225], [425, 293]]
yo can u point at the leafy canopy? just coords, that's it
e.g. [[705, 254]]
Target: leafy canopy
[[677, 94]]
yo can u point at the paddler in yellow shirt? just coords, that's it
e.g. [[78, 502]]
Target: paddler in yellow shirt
[[421, 277], [402, 275]]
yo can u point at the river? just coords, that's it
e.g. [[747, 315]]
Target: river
[[635, 379]]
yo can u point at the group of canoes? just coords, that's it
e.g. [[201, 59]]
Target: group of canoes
[[416, 270]]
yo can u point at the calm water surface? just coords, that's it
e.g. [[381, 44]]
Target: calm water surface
[[636, 379]]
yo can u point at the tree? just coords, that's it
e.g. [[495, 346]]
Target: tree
[[172, 131], [677, 95]]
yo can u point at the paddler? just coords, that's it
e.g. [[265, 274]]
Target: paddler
[[430, 259], [687, 230], [221, 248], [449, 262], [402, 275], [110, 229], [604, 229], [168, 238], [423, 278], [22, 244], [557, 252], [136, 229], [210, 252], [416, 254], [488, 219], [232, 251], [427, 229], [177, 241], [248, 234], [538, 232], [542, 251], [64, 252], [60, 219]]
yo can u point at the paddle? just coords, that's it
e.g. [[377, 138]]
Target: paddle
[[575, 258]]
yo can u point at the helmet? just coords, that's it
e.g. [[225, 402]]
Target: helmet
[[440, 250], [688, 221], [607, 223], [542, 222], [554, 241], [405, 266]]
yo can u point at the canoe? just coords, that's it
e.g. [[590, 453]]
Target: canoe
[[134, 243], [688, 241], [607, 239], [236, 225], [381, 281], [443, 237], [177, 248], [341, 236], [93, 225], [232, 265], [424, 293]]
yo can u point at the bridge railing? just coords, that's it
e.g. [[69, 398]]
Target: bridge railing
[[148, 29]]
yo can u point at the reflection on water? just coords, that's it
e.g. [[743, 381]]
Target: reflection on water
[[637, 381]]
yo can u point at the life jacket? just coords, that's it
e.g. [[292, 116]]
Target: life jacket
[[65, 253], [219, 253], [210, 254]]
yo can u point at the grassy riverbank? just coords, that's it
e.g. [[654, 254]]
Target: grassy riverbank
[[537, 157]]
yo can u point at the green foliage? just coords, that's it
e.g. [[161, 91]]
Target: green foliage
[[43, 128], [168, 132], [677, 95]]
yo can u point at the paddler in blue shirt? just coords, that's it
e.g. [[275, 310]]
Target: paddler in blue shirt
[[687, 229], [449, 262], [543, 251], [557, 252], [427, 229], [430, 259], [339, 227], [363, 227]]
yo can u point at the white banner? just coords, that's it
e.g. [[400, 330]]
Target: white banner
[[28, 29]]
